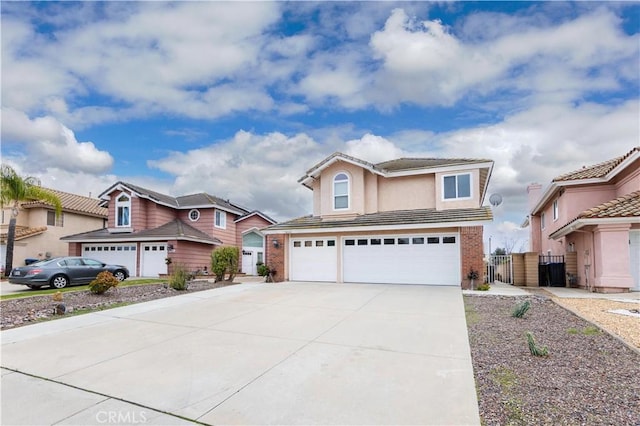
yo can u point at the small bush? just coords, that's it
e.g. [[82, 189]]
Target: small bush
[[521, 309], [179, 280], [224, 260], [103, 282], [483, 287], [534, 348]]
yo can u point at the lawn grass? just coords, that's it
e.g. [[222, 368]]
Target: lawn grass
[[126, 283]]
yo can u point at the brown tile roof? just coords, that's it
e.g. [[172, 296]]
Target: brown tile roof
[[174, 230], [596, 171], [625, 206], [73, 203], [400, 217], [23, 232], [402, 164]]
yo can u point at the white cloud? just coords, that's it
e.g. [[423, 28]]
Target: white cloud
[[374, 149], [51, 144]]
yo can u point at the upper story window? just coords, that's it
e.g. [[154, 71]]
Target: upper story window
[[555, 210], [123, 210], [221, 219], [194, 215], [542, 224], [341, 191], [52, 220], [457, 186]]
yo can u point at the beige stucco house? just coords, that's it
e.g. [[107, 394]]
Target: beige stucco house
[[38, 230], [408, 221], [593, 212]]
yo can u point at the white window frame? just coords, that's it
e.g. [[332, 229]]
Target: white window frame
[[197, 215], [123, 204], [348, 195], [556, 210], [222, 223], [58, 221], [456, 198], [542, 224]]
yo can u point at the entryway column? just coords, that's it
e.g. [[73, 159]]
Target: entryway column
[[611, 258]]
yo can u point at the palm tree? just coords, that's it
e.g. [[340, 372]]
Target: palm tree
[[15, 189]]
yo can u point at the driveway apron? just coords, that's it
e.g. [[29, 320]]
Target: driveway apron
[[292, 353]]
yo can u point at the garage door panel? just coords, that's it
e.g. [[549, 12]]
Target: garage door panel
[[415, 262], [313, 259], [115, 254]]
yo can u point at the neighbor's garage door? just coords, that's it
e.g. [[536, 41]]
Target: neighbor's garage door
[[153, 259], [313, 259], [114, 254], [407, 259]]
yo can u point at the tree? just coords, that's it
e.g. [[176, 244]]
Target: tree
[[14, 190]]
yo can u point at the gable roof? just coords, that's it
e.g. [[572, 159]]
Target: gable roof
[[201, 200], [397, 219], [72, 203], [624, 209], [599, 170], [173, 230], [403, 164], [23, 232], [256, 213], [597, 174]]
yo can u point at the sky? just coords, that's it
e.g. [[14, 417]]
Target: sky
[[239, 99]]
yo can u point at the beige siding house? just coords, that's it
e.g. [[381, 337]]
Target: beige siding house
[[406, 221], [38, 231]]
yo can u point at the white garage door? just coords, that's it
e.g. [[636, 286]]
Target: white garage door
[[115, 254], [634, 260], [407, 259], [313, 259], [153, 259]]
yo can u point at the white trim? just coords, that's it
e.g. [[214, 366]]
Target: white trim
[[591, 221], [253, 229], [333, 191], [416, 226], [138, 239], [240, 219], [197, 215], [441, 169], [123, 204], [555, 208], [470, 197], [223, 222]]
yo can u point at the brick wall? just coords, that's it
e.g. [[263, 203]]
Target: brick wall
[[275, 256], [472, 254]]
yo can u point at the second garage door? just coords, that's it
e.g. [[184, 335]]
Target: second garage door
[[405, 259], [114, 254]]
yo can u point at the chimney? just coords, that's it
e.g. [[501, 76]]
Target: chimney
[[533, 190]]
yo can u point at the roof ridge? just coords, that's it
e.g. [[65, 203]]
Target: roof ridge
[[607, 165]]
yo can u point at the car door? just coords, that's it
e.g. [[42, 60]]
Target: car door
[[75, 269], [93, 268]]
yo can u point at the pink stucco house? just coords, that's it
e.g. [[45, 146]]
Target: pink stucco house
[[404, 221], [594, 212], [145, 227]]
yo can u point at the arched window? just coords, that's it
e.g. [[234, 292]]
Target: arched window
[[341, 191], [123, 210]]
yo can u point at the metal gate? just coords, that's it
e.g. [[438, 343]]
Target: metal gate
[[500, 268], [551, 271]]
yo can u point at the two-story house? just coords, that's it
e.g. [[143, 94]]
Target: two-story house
[[38, 230], [595, 213], [148, 230], [408, 221]]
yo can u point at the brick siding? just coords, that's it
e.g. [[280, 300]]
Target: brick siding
[[472, 254], [275, 256]]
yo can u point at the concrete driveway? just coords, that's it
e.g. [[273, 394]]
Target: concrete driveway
[[293, 353]]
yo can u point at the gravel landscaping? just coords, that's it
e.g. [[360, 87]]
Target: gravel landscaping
[[588, 378], [27, 310]]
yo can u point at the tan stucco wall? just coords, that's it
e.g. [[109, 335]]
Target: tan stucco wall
[[406, 193], [356, 189]]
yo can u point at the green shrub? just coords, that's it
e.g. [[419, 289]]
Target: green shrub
[[483, 287], [521, 309], [103, 282], [179, 280], [263, 270], [224, 260], [534, 348]]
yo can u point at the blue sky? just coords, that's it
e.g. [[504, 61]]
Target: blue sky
[[239, 99]]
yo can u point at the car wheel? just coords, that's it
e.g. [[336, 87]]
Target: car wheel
[[59, 281], [119, 275]]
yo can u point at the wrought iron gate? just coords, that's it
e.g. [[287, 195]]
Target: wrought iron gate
[[551, 271]]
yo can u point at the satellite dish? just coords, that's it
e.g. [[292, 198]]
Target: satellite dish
[[495, 200]]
